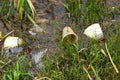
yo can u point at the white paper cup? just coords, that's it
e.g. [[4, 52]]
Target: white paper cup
[[11, 42], [94, 31]]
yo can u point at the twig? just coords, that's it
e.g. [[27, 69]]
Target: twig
[[6, 64], [7, 35], [111, 58], [87, 73], [43, 78]]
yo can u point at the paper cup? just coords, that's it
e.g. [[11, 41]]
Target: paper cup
[[94, 31], [11, 42], [69, 35]]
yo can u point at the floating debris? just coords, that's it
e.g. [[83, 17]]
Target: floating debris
[[35, 30], [37, 57], [107, 23], [32, 33], [42, 21], [16, 50], [69, 35], [94, 31]]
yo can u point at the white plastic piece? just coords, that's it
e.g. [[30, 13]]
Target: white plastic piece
[[32, 33], [94, 31]]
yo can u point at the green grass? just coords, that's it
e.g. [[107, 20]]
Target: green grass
[[69, 67], [95, 11], [74, 8], [17, 70], [21, 9], [68, 63], [86, 12]]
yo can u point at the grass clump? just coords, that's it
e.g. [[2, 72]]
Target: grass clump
[[86, 12], [95, 11], [64, 65], [68, 63], [18, 70], [24, 9], [74, 8]]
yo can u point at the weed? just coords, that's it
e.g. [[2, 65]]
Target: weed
[[68, 63], [95, 11], [74, 8], [25, 9], [86, 12], [17, 70]]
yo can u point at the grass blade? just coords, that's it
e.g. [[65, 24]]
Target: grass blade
[[87, 73], [31, 7]]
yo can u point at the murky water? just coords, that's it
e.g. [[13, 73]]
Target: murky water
[[55, 13], [52, 18]]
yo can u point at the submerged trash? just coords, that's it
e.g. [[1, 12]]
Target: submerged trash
[[32, 33], [41, 20], [69, 35], [13, 50], [37, 57], [35, 30], [16, 50], [13, 44], [94, 31]]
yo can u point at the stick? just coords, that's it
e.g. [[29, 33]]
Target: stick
[[7, 35], [43, 78], [111, 58], [87, 73]]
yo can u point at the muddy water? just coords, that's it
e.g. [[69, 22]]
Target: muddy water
[[52, 17]]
